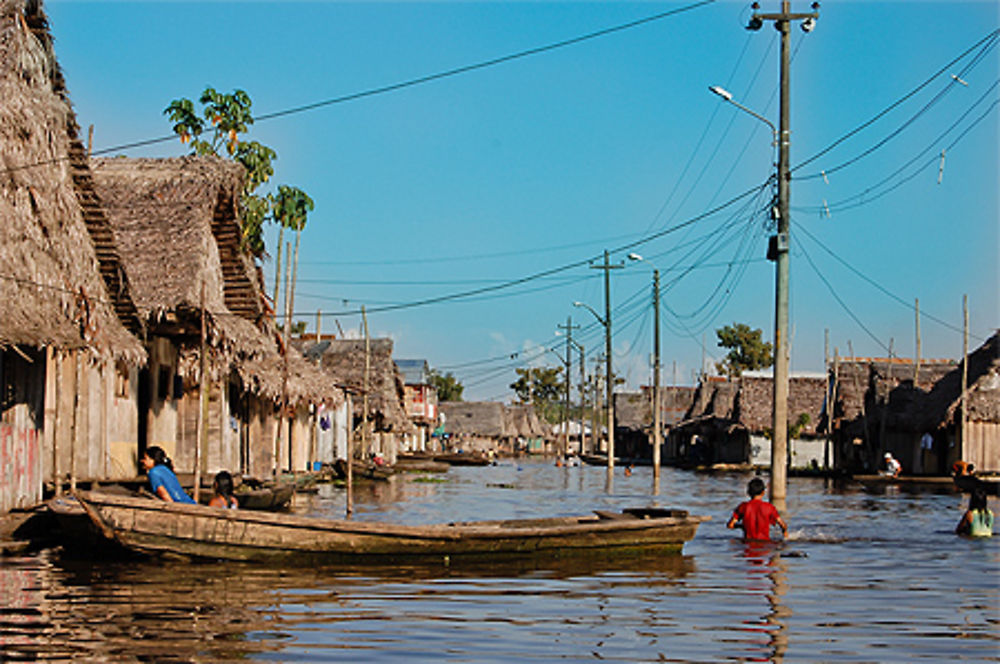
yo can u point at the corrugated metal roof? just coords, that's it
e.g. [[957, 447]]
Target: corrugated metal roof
[[415, 372]]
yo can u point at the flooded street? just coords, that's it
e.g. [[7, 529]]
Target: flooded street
[[864, 577]]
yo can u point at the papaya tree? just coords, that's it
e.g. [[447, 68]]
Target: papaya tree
[[217, 130]]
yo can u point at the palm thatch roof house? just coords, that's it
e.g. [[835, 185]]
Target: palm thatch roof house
[[366, 370], [978, 442], [634, 417], [475, 426], [66, 355], [807, 419], [730, 422], [881, 405], [177, 226]]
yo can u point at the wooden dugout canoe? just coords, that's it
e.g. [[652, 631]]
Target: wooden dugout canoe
[[154, 527]]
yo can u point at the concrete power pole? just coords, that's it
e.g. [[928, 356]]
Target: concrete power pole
[[609, 381], [569, 364], [779, 421]]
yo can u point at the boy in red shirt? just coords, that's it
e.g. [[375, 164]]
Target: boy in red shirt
[[756, 515]]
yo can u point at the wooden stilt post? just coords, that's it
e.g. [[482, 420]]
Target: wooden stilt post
[[200, 434]]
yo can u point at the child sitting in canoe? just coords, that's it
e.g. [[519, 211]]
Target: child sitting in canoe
[[756, 516], [978, 519], [222, 486]]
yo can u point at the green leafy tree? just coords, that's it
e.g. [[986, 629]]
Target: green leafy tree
[[747, 350], [448, 387], [217, 131], [542, 387]]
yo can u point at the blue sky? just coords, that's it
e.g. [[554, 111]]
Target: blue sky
[[539, 163]]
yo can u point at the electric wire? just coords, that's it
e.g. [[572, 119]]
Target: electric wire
[[840, 300], [992, 36], [371, 92], [878, 286], [866, 196]]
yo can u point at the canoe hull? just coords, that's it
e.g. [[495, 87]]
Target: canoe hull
[[193, 531]]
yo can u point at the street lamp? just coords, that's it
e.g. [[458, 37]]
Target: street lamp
[[778, 251], [728, 96], [657, 424], [780, 242], [609, 381]]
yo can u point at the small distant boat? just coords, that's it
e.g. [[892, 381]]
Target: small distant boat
[[154, 527], [472, 459], [266, 497], [415, 465], [363, 472], [913, 481]]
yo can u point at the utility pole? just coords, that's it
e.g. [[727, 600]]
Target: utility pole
[[657, 406], [569, 365], [779, 420], [583, 398], [609, 381]]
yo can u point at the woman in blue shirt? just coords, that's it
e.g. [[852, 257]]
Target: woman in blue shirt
[[162, 480]]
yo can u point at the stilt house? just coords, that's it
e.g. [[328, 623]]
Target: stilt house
[[177, 224], [67, 359]]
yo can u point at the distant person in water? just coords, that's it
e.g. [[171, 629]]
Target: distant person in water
[[756, 516], [222, 487], [978, 519], [162, 480]]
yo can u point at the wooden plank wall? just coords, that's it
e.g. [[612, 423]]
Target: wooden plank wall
[[91, 419], [983, 446], [20, 463]]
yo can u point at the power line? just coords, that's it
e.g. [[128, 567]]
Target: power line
[[865, 197], [544, 273], [991, 36], [408, 83], [877, 285], [840, 301]]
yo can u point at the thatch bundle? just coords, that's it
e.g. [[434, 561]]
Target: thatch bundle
[[50, 282]]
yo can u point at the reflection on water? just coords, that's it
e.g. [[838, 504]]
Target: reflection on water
[[864, 577]]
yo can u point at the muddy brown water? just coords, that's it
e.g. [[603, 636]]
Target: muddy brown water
[[866, 576]]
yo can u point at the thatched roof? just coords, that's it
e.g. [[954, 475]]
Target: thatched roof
[[475, 418], [676, 402], [177, 223], [344, 361], [867, 385], [983, 393], [51, 282], [522, 420], [714, 397], [265, 375], [633, 410], [806, 395]]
